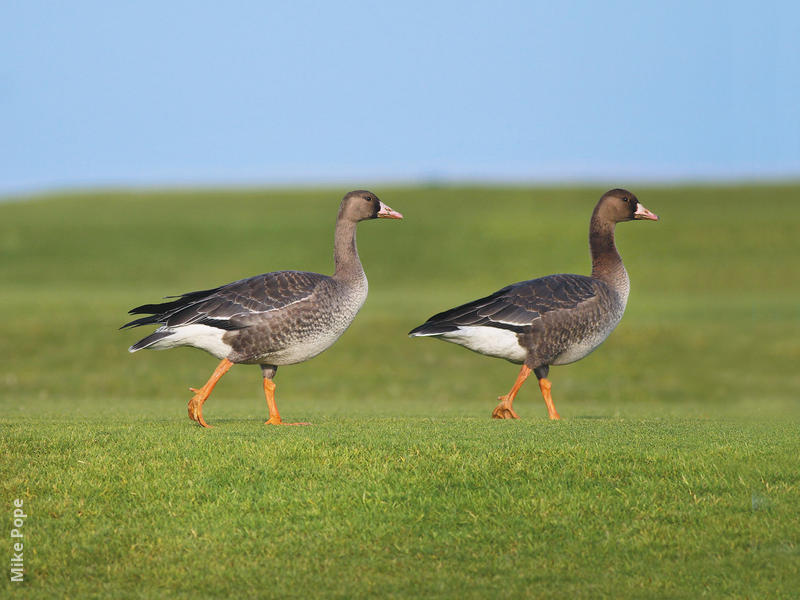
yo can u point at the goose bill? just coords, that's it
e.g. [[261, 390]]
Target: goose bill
[[643, 213], [385, 212]]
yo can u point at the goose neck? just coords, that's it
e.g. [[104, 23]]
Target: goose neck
[[606, 262], [345, 253]]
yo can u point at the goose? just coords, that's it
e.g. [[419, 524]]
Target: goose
[[274, 319], [552, 320]]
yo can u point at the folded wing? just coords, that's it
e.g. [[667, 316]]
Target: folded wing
[[232, 306], [515, 307]]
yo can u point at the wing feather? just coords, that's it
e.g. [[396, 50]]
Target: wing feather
[[515, 307], [232, 306]]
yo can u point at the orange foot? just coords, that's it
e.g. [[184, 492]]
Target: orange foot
[[278, 421], [196, 407], [504, 410]]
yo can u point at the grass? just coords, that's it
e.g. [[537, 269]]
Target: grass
[[673, 474]]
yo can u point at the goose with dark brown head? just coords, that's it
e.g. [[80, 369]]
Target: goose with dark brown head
[[274, 319], [553, 320]]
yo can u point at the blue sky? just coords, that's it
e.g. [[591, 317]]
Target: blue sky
[[191, 93]]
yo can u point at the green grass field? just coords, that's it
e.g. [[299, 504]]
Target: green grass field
[[673, 474]]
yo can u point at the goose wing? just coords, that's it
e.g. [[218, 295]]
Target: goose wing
[[515, 307], [232, 306]]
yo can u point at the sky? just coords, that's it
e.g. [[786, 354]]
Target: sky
[[260, 93]]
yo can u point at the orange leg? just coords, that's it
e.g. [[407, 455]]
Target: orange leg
[[274, 416], [544, 385], [504, 409], [201, 395]]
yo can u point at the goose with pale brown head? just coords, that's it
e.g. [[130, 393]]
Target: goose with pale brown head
[[553, 320], [275, 319]]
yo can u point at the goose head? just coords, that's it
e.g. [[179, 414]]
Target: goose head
[[360, 205], [620, 205]]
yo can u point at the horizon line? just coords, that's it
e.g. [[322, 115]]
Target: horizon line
[[22, 192]]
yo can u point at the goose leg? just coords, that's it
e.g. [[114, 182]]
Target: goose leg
[[504, 410], [201, 395], [269, 392], [544, 386]]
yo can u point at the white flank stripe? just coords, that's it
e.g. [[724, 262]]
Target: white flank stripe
[[491, 341], [200, 336]]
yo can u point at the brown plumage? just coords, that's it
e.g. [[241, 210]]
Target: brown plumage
[[274, 319], [553, 320]]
